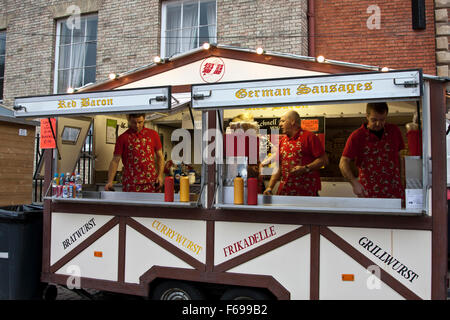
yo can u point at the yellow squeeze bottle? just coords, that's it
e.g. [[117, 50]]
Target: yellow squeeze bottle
[[238, 190], [184, 189]]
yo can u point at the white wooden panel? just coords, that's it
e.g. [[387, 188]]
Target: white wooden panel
[[64, 225], [334, 263], [289, 265], [90, 266], [141, 254], [187, 235], [231, 238]]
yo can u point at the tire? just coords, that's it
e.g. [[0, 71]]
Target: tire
[[244, 294], [176, 290], [49, 293]]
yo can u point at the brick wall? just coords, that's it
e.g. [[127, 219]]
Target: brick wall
[[342, 34], [275, 25]]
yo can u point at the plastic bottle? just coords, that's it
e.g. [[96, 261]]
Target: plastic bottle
[[168, 189], [238, 190], [252, 191], [184, 189], [67, 182], [78, 186], [61, 180], [55, 183]]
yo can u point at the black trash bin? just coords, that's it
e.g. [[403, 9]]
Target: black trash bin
[[20, 252]]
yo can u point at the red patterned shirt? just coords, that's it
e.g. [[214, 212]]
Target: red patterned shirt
[[377, 160], [300, 150], [138, 152]]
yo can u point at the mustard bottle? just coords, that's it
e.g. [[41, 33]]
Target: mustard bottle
[[238, 190], [184, 189]]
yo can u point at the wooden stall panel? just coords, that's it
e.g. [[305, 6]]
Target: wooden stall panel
[[233, 239], [403, 254], [288, 264], [413, 251], [341, 277], [141, 254], [98, 261], [187, 235], [69, 230]]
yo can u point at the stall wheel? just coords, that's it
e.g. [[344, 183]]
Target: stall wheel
[[244, 294], [50, 292], [176, 290]]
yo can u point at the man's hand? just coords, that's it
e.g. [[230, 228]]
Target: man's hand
[[159, 183], [109, 186], [298, 170], [358, 189], [268, 191]]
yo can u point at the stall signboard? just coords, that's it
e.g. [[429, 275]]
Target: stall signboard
[[405, 84], [114, 101]]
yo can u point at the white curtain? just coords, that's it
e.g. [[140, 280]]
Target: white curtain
[[190, 27], [78, 59], [173, 21]]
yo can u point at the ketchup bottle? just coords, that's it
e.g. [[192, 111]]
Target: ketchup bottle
[[168, 189], [252, 191]]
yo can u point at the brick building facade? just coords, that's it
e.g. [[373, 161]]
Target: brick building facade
[[129, 35]]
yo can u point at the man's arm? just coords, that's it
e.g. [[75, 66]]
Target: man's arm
[[160, 165], [344, 166], [315, 165], [112, 172], [273, 180]]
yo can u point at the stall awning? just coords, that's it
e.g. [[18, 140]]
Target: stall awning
[[113, 101]]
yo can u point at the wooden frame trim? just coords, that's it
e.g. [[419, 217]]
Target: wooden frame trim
[[166, 244], [438, 192], [210, 227], [238, 279], [262, 249], [85, 244], [300, 218], [366, 262], [47, 213], [314, 272], [279, 61], [122, 246]]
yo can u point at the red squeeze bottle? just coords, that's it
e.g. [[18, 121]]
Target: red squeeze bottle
[[168, 189], [252, 191]]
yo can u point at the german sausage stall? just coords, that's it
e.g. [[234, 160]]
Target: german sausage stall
[[230, 235]]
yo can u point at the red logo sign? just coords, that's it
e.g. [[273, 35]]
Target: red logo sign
[[212, 69]]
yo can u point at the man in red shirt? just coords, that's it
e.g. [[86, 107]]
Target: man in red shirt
[[300, 157], [140, 150], [375, 148]]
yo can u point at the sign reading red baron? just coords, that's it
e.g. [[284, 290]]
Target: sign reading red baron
[[79, 233], [249, 241], [389, 260]]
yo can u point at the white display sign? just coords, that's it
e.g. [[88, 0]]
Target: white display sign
[[310, 90], [114, 101]]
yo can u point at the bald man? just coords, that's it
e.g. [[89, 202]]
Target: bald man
[[300, 157]]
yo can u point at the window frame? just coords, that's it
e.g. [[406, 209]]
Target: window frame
[[2, 76], [59, 22], [163, 50]]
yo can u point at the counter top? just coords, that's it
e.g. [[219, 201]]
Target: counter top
[[132, 198]]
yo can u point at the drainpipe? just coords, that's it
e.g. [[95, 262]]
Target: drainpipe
[[311, 29]]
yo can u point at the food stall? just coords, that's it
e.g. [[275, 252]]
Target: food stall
[[334, 246]]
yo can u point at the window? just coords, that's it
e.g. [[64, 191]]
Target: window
[[76, 52], [2, 61], [187, 25]]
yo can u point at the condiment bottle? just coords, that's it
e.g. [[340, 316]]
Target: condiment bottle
[[168, 189], [184, 189], [238, 190], [252, 191]]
